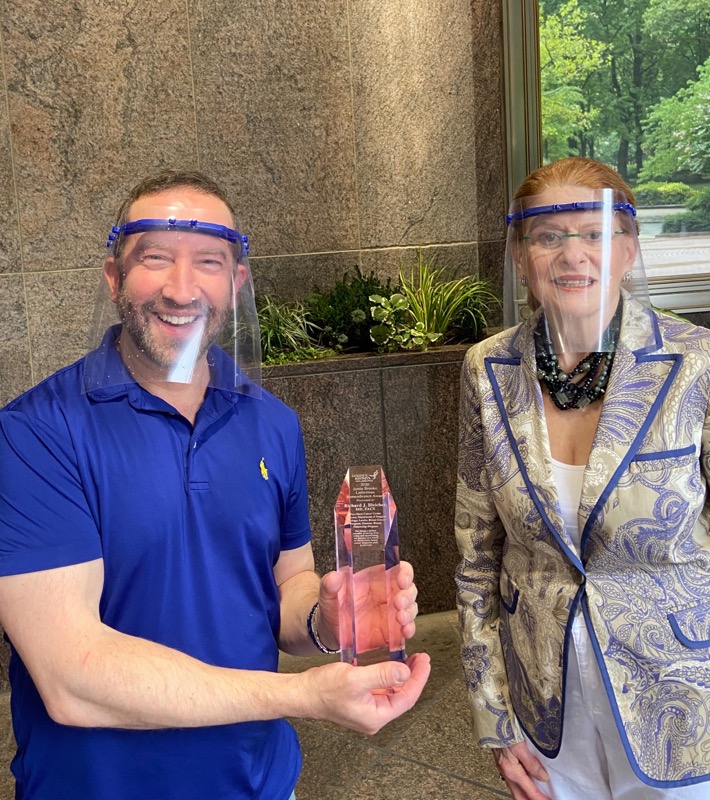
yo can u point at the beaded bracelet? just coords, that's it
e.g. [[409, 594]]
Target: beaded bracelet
[[313, 632]]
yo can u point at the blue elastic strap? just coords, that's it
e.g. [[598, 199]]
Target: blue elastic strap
[[194, 225], [592, 205]]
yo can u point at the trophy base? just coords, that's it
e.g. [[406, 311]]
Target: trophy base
[[378, 654]]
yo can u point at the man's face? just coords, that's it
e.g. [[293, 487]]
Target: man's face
[[174, 289]]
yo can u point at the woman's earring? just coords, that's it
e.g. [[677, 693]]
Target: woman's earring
[[626, 277], [523, 280]]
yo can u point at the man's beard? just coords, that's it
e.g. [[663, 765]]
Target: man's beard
[[163, 350]]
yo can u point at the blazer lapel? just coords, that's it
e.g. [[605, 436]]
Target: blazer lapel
[[639, 382], [519, 399]]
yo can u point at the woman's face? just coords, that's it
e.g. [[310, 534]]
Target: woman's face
[[575, 261]]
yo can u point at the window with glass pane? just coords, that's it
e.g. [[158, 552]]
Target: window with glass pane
[[627, 82]]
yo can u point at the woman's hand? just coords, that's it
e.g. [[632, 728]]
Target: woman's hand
[[517, 767]]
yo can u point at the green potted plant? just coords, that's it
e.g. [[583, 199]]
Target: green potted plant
[[287, 333], [342, 314], [429, 309]]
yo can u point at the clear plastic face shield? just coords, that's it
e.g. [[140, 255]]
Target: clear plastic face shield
[[176, 304], [573, 257]]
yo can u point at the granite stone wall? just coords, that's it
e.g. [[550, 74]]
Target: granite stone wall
[[399, 411], [348, 132]]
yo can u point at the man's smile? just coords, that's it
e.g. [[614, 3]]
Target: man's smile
[[173, 320]]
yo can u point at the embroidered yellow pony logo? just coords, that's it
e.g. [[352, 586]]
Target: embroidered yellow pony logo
[[264, 471]]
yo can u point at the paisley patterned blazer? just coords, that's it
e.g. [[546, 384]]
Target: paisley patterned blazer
[[642, 577]]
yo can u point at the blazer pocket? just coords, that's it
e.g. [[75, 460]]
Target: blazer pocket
[[665, 459], [691, 625], [509, 592]]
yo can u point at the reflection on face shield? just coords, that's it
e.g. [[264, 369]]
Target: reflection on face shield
[[204, 322]]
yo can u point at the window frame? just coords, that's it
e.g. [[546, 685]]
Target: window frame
[[522, 89]]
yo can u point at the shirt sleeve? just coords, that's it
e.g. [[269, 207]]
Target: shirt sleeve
[[297, 528], [45, 521]]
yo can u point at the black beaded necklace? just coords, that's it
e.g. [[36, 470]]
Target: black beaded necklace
[[595, 367]]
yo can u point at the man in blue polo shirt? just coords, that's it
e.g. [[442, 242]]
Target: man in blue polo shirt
[[154, 541]]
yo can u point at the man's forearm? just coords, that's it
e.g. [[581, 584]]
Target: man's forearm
[[124, 682], [121, 681]]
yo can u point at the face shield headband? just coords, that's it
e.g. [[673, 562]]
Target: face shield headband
[[592, 205], [192, 225]]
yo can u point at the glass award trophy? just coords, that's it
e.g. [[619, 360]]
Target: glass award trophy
[[367, 554]]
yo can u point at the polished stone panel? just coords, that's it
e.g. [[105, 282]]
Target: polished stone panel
[[492, 260], [60, 307], [341, 417], [421, 421], [292, 277], [15, 368], [10, 259], [100, 94], [415, 119], [489, 166], [273, 98]]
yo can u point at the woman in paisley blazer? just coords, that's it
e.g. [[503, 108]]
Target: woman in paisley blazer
[[582, 512]]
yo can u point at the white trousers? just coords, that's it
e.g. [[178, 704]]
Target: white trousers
[[592, 763]]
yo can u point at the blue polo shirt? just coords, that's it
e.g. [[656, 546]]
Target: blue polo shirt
[[189, 523]]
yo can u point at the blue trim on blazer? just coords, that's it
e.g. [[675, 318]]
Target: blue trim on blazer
[[657, 338], [677, 360], [515, 362], [694, 644], [683, 451], [511, 608], [565, 661], [617, 718], [565, 656]]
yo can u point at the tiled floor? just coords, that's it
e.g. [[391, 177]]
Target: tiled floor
[[426, 754]]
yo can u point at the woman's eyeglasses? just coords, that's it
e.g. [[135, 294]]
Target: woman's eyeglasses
[[554, 240]]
